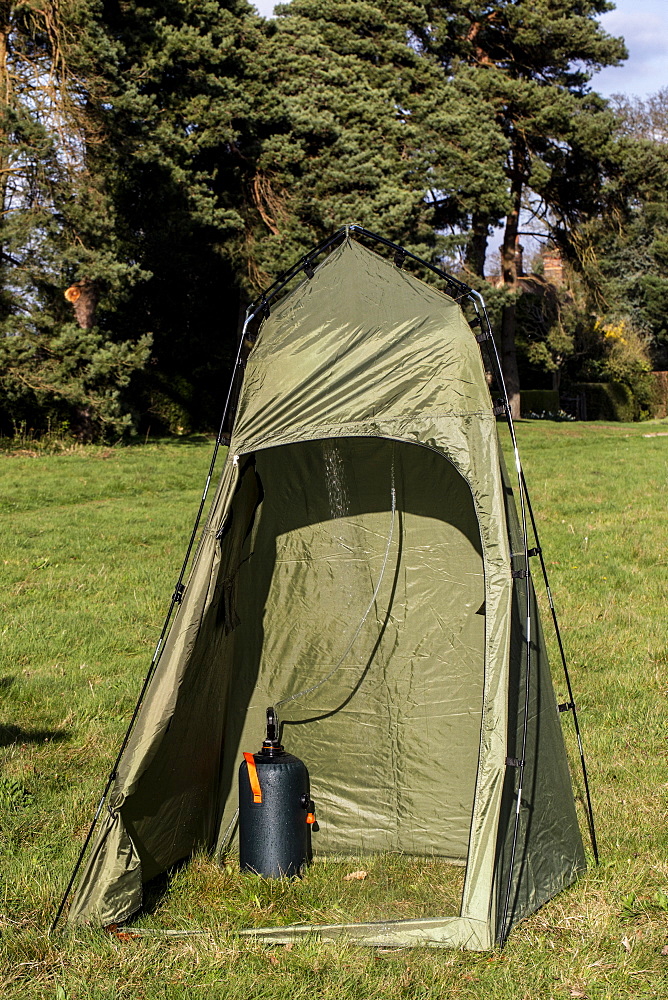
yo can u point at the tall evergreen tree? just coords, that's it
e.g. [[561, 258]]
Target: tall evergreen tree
[[533, 60], [164, 86], [51, 365], [355, 124]]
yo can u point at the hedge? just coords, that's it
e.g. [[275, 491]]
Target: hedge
[[606, 401], [660, 393], [539, 401]]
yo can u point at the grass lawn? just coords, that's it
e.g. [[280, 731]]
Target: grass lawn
[[92, 544]]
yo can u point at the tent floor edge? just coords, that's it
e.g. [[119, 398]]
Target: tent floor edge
[[445, 932]]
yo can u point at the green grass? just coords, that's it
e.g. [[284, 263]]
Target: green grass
[[92, 544], [393, 887]]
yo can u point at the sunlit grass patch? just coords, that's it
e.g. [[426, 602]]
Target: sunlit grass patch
[[91, 551]]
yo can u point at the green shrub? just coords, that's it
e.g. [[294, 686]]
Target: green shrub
[[624, 361], [659, 394], [539, 401], [607, 400]]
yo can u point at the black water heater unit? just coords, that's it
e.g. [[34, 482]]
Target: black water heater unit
[[275, 810]]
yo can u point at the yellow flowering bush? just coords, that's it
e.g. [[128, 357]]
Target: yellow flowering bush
[[624, 357]]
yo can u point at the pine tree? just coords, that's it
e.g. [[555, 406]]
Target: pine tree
[[232, 145], [533, 60], [158, 221], [354, 123], [51, 366]]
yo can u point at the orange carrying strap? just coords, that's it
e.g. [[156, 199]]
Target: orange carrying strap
[[252, 774]]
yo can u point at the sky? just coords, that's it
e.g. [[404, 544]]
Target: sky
[[644, 26]]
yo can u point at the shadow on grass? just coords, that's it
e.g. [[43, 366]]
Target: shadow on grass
[[156, 889], [191, 440], [10, 735]]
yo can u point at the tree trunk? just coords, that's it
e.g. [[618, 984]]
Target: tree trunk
[[83, 297], [476, 250], [511, 284]]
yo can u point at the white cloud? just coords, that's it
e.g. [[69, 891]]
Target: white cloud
[[265, 7], [644, 31], [644, 27]]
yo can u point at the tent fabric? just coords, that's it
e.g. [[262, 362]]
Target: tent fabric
[[364, 461], [551, 855]]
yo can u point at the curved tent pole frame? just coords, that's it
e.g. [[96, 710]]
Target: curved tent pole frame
[[308, 263], [261, 305], [526, 507]]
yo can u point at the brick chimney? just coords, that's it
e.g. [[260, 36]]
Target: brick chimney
[[553, 267]]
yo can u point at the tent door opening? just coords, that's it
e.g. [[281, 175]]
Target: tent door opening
[[391, 732]]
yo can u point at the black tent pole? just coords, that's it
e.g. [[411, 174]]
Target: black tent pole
[[570, 706]]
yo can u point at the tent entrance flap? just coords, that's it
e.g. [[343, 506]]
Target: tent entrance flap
[[390, 722]]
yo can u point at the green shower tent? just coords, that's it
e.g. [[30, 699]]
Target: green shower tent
[[362, 567]]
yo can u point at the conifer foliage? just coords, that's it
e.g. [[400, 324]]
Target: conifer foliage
[[160, 161], [532, 60], [169, 84], [54, 365], [355, 123]]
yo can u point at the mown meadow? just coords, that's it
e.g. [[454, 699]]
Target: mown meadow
[[92, 540]]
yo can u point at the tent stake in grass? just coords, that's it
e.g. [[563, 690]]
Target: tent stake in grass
[[365, 370]]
